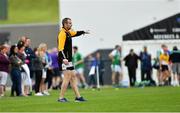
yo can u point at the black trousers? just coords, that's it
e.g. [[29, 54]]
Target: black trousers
[[146, 73], [132, 75], [31, 74], [48, 79], [92, 80], [16, 82], [38, 78], [101, 81]]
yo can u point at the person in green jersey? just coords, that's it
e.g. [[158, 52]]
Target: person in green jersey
[[79, 67], [115, 56]]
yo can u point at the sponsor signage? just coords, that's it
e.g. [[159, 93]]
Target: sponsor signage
[[167, 29]]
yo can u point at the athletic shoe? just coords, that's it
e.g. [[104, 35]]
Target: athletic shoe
[[62, 100], [30, 94], [55, 88], [21, 95], [39, 94], [114, 85], [86, 86], [80, 99], [46, 93], [2, 95]]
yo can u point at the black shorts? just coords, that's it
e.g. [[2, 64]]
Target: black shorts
[[56, 72], [60, 62], [164, 68], [68, 68]]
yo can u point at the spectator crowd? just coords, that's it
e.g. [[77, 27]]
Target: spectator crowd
[[38, 69]]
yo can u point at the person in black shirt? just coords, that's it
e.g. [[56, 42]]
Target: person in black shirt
[[16, 63], [175, 60], [131, 61]]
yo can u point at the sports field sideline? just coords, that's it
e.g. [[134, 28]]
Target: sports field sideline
[[154, 99]]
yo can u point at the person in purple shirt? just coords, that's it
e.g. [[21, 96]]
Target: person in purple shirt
[[56, 72], [4, 67]]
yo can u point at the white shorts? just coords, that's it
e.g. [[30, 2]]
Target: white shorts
[[3, 78], [116, 68], [25, 79], [44, 73], [79, 71]]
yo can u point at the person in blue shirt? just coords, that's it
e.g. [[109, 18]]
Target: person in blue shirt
[[92, 72], [146, 66]]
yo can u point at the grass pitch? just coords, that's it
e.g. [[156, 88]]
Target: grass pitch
[[153, 99], [32, 11]]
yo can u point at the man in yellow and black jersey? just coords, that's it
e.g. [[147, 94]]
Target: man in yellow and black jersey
[[65, 45], [65, 59]]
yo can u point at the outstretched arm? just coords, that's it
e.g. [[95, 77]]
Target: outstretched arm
[[78, 33]]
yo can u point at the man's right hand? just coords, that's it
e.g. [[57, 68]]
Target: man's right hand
[[87, 32], [65, 61]]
